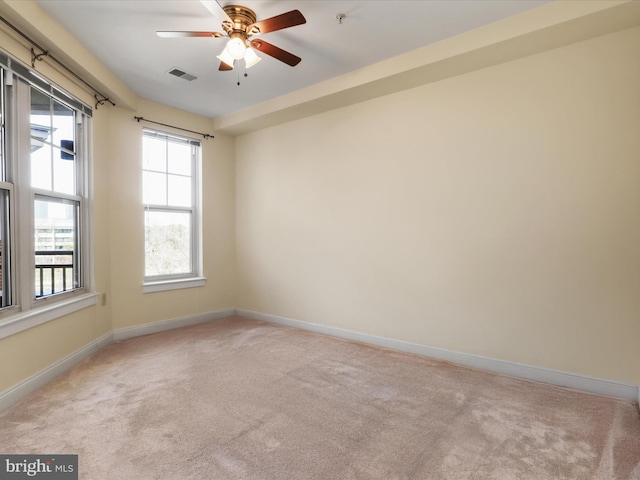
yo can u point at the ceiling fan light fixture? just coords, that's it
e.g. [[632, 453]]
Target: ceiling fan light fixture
[[226, 57], [239, 24], [236, 48], [250, 58]]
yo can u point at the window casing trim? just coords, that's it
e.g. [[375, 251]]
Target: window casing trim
[[173, 284], [18, 322]]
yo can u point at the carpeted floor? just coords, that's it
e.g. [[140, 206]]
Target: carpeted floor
[[241, 399]]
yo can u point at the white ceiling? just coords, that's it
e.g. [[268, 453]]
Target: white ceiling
[[122, 35]]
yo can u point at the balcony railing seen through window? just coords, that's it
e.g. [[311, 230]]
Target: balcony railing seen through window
[[54, 272]]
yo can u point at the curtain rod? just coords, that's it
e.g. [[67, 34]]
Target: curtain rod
[[45, 53], [205, 135]]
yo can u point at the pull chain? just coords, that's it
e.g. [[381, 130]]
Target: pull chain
[[245, 75]]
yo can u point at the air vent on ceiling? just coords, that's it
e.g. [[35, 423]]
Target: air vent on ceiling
[[181, 74]]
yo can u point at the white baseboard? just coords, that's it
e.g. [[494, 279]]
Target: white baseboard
[[155, 327], [18, 392], [545, 375], [580, 382]]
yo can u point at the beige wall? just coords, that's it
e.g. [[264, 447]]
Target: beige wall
[[495, 213], [130, 306]]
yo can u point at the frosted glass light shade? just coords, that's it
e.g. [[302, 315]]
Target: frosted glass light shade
[[236, 48], [225, 57], [250, 58]]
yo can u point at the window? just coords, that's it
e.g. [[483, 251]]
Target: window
[[171, 202], [43, 200], [57, 204]]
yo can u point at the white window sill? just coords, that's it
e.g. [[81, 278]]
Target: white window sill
[[161, 286], [37, 316]]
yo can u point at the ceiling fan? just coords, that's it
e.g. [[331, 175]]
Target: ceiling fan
[[239, 24]]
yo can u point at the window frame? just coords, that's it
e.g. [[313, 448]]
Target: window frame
[[195, 277], [6, 249], [36, 193], [78, 207]]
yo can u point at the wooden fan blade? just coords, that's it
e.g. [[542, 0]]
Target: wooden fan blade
[[224, 67], [170, 34], [216, 10], [284, 20], [275, 52]]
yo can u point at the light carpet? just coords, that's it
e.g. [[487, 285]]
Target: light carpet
[[242, 399]]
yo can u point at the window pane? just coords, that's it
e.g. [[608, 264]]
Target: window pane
[[56, 265], [5, 271], [41, 137], [64, 172], [167, 243], [41, 111], [179, 191], [3, 165], [180, 158], [63, 126], [154, 188], [41, 174], [154, 154], [52, 123]]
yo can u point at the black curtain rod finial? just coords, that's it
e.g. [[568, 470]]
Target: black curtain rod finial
[[37, 57], [101, 101]]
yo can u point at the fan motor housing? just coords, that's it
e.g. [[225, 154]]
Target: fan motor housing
[[241, 17]]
